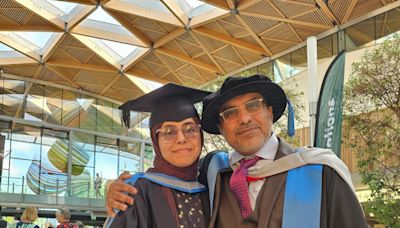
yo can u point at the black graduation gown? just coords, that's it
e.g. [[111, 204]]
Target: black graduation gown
[[151, 208], [339, 206]]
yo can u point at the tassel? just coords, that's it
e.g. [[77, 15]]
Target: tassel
[[290, 130], [126, 114]]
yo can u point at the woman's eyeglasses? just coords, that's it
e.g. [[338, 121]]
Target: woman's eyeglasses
[[170, 133], [251, 107]]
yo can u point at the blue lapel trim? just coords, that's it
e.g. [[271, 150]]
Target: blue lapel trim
[[218, 161], [169, 182]]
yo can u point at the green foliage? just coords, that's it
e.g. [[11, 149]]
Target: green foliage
[[372, 107]]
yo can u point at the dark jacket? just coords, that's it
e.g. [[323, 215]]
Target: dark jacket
[[152, 209], [339, 207]]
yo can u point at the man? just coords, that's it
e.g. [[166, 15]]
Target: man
[[267, 183]]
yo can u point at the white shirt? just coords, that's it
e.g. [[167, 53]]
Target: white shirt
[[268, 152]]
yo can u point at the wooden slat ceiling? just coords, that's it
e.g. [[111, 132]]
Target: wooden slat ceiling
[[172, 46]]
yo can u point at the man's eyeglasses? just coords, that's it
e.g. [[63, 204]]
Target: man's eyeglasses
[[170, 133], [251, 107]]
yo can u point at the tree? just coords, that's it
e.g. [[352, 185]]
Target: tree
[[372, 108]]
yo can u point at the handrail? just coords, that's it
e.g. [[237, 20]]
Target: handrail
[[18, 185]]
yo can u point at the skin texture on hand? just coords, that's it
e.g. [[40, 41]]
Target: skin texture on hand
[[117, 197]]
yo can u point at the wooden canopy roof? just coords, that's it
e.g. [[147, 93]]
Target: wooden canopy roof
[[170, 40]]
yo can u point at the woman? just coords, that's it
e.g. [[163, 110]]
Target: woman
[[169, 195], [28, 217], [63, 216]]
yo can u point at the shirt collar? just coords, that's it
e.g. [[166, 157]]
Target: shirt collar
[[268, 151]]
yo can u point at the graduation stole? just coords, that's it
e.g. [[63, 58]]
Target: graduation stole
[[169, 182], [302, 202], [163, 180]]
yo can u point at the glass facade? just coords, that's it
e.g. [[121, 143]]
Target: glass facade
[[54, 141], [363, 34]]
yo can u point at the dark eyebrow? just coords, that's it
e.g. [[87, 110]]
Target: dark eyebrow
[[185, 123]]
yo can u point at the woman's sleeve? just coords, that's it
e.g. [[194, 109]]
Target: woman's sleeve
[[136, 215]]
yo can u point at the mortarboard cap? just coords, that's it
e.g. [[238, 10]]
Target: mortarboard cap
[[170, 102]]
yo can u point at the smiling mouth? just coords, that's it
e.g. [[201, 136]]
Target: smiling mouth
[[182, 150], [246, 130]]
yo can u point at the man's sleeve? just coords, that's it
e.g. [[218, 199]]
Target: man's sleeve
[[136, 215], [340, 206]]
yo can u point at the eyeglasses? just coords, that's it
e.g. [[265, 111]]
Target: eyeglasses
[[170, 133], [251, 107]]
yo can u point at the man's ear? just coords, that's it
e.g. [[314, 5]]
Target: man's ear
[[270, 111], [219, 127]]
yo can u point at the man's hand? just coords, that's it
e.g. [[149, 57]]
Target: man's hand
[[116, 197]]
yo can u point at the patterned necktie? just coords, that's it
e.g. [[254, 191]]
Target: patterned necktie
[[238, 184]]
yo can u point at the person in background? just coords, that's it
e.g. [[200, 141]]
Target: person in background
[[98, 183], [29, 216], [48, 225], [63, 217], [169, 194], [17, 218], [79, 224], [3, 223]]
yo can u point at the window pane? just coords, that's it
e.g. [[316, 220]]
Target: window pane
[[70, 108], [298, 61], [129, 156], [25, 157], [87, 116], [12, 97], [361, 34], [266, 69], [82, 177], [35, 104], [104, 116], [53, 105], [106, 160]]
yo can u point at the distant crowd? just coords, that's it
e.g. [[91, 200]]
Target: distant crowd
[[30, 215]]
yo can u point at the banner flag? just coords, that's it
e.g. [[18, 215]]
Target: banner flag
[[328, 130]]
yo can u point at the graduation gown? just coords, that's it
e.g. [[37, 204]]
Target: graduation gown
[[152, 209], [339, 206]]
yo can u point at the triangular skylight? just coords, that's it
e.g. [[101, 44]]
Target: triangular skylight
[[145, 85], [65, 7], [57, 12], [177, 12], [39, 39], [152, 9], [151, 4], [100, 15], [5, 48], [123, 50], [9, 55], [115, 53], [195, 3], [102, 25], [6, 54], [32, 44]]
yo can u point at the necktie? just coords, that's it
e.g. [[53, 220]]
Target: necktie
[[238, 184]]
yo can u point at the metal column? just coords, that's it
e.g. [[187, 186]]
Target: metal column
[[312, 64]]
